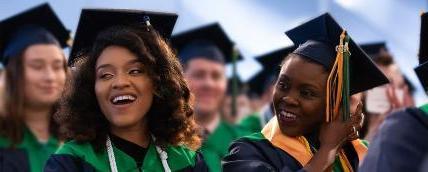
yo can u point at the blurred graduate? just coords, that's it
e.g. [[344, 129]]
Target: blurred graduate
[[316, 121], [204, 53], [128, 107], [401, 143], [34, 77]]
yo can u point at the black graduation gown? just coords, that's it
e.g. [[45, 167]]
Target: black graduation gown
[[401, 143], [259, 155]]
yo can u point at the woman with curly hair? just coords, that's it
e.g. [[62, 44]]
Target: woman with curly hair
[[128, 108], [34, 77]]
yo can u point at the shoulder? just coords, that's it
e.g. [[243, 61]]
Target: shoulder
[[186, 159], [75, 148], [402, 133]]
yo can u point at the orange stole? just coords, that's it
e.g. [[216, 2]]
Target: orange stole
[[296, 146]]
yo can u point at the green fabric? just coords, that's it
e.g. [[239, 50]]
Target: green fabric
[[215, 147], [38, 153], [424, 108], [179, 157], [252, 123]]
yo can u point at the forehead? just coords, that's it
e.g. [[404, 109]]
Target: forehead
[[205, 65], [297, 68], [43, 52], [115, 55]]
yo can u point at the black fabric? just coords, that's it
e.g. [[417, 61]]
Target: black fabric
[[14, 160], [133, 150], [258, 156], [422, 69], [261, 156], [67, 163], [401, 143]]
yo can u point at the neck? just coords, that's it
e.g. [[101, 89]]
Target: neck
[[206, 119], [137, 134], [37, 119], [313, 139]]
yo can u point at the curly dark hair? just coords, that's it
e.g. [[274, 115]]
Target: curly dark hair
[[170, 117]]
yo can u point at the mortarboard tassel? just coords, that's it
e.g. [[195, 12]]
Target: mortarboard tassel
[[338, 82], [235, 55]]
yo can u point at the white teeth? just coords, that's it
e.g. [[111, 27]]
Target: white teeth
[[287, 114], [123, 97]]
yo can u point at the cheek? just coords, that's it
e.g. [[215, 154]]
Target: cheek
[[100, 91], [314, 110]]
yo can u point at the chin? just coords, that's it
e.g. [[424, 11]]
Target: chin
[[292, 132]]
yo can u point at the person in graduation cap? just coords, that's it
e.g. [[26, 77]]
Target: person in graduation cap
[[242, 102], [204, 52], [316, 120], [128, 107], [261, 89], [35, 74], [401, 142], [381, 101]]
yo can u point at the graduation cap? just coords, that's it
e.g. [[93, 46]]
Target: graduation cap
[[38, 25], [325, 42], [422, 69], [271, 66], [317, 40], [373, 48], [94, 21], [209, 41], [378, 52]]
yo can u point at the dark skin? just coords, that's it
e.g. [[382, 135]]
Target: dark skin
[[300, 90]]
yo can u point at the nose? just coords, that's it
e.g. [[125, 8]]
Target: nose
[[120, 82], [49, 74], [208, 82], [290, 100]]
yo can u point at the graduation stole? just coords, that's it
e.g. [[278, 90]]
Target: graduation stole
[[299, 148]]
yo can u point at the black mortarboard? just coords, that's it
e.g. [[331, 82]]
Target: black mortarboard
[[38, 25], [271, 66], [317, 40], [241, 85], [422, 69], [373, 48], [209, 41], [94, 21]]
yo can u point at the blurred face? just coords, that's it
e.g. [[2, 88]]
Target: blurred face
[[207, 81], [299, 96], [44, 74], [242, 104], [124, 90], [394, 75]]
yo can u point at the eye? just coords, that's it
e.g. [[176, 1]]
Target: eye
[[105, 76], [135, 71], [307, 93], [283, 85]]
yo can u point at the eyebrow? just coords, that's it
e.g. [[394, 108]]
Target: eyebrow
[[109, 65]]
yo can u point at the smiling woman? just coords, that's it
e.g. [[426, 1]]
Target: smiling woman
[[307, 133], [128, 108]]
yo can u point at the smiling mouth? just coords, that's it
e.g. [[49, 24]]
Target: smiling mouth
[[287, 116], [123, 99]]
